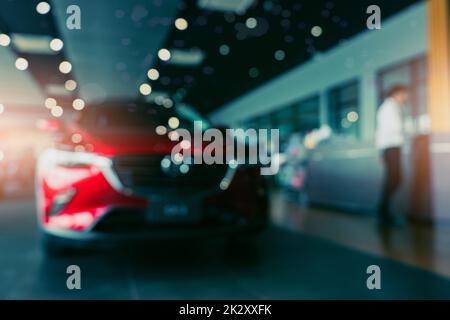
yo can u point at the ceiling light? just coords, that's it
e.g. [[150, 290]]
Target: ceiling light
[[161, 130], [352, 116], [238, 6], [253, 72], [280, 55], [184, 168], [164, 54], [145, 89], [71, 85], [174, 122], [224, 50], [43, 7], [56, 45], [57, 111], [316, 31], [173, 136], [190, 57], [153, 74], [65, 67], [50, 103], [185, 144], [21, 64], [32, 43], [57, 90], [78, 104], [181, 24], [5, 40], [167, 103], [177, 158], [165, 163], [251, 23]]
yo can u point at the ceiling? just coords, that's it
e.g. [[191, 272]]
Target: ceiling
[[119, 41], [116, 45]]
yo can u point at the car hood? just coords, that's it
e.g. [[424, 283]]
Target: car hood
[[119, 141]]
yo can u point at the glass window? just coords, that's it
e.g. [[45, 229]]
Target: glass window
[[343, 109], [283, 119], [307, 114]]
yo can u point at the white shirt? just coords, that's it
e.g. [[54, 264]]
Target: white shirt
[[389, 132]]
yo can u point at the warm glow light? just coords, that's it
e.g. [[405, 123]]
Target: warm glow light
[[145, 89], [21, 64], [2, 108], [185, 144], [56, 44], [65, 67], [352, 116], [178, 158], [153, 74], [43, 7], [57, 111], [161, 130], [78, 104], [50, 103], [77, 138], [181, 24], [173, 136], [71, 85], [5, 40], [174, 122], [164, 54]]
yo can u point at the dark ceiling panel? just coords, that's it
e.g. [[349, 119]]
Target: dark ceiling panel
[[282, 26]]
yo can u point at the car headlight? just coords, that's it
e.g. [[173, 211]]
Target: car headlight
[[52, 158]]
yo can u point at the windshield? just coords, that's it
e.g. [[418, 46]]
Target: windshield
[[131, 116]]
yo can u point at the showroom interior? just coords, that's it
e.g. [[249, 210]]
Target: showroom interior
[[313, 70]]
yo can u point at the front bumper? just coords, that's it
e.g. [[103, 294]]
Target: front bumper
[[105, 237]]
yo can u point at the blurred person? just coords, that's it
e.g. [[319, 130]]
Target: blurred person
[[390, 138]]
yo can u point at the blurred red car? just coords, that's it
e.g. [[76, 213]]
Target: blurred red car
[[109, 178]]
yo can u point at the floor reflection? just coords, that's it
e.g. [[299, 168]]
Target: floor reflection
[[419, 244], [287, 262]]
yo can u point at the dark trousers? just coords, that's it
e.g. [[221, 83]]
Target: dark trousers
[[392, 179]]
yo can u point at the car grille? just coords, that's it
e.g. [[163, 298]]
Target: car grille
[[144, 173]]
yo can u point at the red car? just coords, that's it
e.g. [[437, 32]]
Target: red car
[[109, 179]]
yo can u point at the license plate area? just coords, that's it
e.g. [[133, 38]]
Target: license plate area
[[173, 210]]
